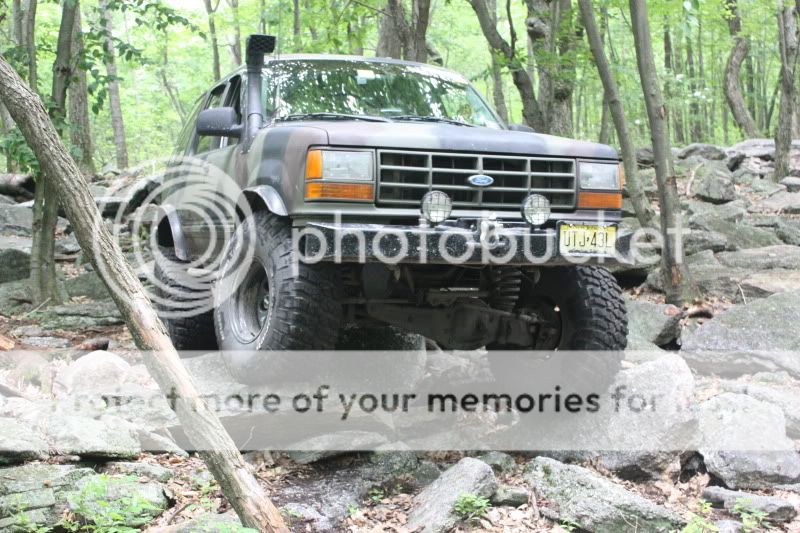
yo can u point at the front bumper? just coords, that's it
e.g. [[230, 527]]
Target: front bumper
[[468, 244]]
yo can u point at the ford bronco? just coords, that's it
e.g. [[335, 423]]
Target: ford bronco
[[414, 208]]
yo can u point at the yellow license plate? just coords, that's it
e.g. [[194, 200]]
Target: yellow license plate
[[583, 239]]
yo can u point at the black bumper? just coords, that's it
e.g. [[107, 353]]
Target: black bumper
[[512, 245]]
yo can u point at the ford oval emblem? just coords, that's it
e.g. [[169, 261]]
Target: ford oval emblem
[[480, 180]]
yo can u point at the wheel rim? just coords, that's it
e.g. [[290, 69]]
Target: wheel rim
[[252, 307]]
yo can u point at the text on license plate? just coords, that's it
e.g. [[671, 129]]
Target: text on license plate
[[587, 239]]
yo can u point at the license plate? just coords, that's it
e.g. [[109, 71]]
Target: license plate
[[583, 239]]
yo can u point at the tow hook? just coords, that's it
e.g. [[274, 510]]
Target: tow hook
[[490, 234]]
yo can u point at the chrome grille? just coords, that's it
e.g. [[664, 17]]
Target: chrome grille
[[405, 176]]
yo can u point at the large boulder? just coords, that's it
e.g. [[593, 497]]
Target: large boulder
[[785, 395], [759, 336], [108, 437], [87, 284], [697, 241], [579, 496], [652, 323], [644, 156], [715, 187], [20, 442], [702, 151], [104, 499], [776, 256], [760, 148], [769, 282], [94, 373], [776, 510], [434, 511], [16, 219], [782, 202], [14, 265], [744, 442], [791, 183], [73, 316]]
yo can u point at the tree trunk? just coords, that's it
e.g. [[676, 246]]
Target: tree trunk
[[236, 38], [604, 136], [117, 122], [417, 49], [166, 83], [212, 34], [695, 135], [393, 30], [498, 97], [671, 253], [7, 124], [787, 39], [296, 24], [612, 96], [78, 106], [202, 427], [262, 16], [531, 112], [732, 85], [29, 35]]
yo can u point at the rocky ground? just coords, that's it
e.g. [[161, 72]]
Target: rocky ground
[[87, 465]]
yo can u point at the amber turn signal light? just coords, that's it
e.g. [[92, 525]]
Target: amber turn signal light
[[339, 191], [314, 165], [600, 200]]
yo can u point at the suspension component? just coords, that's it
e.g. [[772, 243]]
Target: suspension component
[[505, 284]]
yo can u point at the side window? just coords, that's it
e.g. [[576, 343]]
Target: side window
[[187, 133], [233, 98], [204, 144]]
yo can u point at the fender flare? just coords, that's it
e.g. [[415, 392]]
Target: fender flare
[[170, 231], [266, 195]]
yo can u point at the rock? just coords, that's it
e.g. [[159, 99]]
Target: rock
[[782, 202], [507, 495], [786, 229], [791, 183], [712, 280], [45, 342], [703, 151], [101, 495], [109, 206], [16, 219], [644, 156], [765, 187], [699, 241], [94, 374], [14, 265], [761, 148], [744, 442], [87, 284], [109, 437], [499, 461], [785, 395], [433, 509], [769, 282], [734, 160], [728, 526], [777, 510], [206, 523], [777, 256], [140, 470], [73, 316], [715, 187], [745, 176], [333, 444], [749, 338], [20, 442], [709, 217], [654, 323], [579, 496]]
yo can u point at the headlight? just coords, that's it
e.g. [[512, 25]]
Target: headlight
[[339, 165], [603, 176], [436, 206]]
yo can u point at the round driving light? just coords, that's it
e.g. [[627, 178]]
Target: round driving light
[[436, 207], [536, 209]]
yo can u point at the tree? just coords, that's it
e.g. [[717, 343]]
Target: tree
[[212, 35], [505, 50], [401, 39], [612, 100], [732, 85], [202, 426], [78, 103], [114, 102], [236, 38], [672, 268], [787, 43]]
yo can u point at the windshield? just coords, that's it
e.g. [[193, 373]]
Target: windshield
[[393, 91]]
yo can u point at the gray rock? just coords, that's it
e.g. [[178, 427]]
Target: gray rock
[[140, 470], [16, 219], [710, 217], [206, 523], [658, 324], [703, 151], [715, 186], [577, 495], [777, 256], [769, 282], [72, 316], [784, 395], [334, 444], [433, 509], [137, 502], [6, 200], [87, 284], [744, 442], [499, 461], [786, 229], [109, 437], [777, 510], [712, 280], [699, 241], [766, 187], [94, 373], [14, 265], [510, 496], [782, 202], [110, 206], [729, 526], [791, 183], [45, 342], [20, 442], [745, 176], [761, 148], [644, 156]]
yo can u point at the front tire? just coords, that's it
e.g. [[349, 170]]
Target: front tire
[[270, 304]]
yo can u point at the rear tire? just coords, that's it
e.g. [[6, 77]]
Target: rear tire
[[587, 303], [193, 332], [271, 305]]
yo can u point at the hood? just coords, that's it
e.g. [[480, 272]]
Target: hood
[[453, 138]]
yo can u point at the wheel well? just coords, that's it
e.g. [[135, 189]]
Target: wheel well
[[255, 202]]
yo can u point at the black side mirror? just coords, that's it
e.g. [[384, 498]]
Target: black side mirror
[[521, 127], [219, 122]]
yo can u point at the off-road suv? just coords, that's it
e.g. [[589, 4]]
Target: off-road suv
[[414, 206]]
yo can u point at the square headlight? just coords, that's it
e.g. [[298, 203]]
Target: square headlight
[[605, 176], [339, 165]]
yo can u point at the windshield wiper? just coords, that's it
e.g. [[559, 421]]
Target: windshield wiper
[[333, 116], [423, 118]]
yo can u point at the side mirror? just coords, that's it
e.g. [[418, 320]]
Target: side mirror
[[219, 122], [521, 127]]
